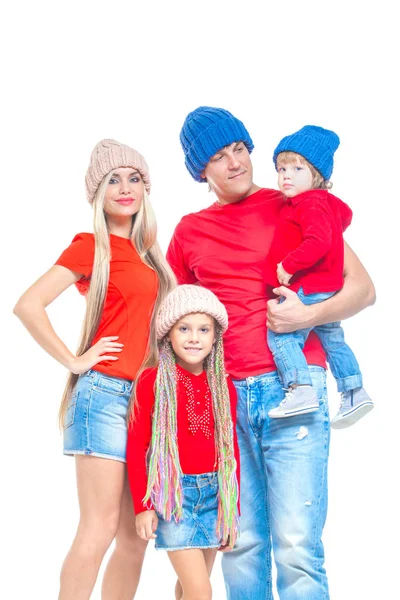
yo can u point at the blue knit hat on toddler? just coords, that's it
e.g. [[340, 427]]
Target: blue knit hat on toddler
[[205, 131], [315, 144]]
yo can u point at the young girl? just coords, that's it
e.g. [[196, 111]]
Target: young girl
[[182, 453], [125, 277], [307, 253]]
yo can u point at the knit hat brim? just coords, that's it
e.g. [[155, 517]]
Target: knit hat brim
[[206, 131], [109, 155], [185, 300], [315, 144]]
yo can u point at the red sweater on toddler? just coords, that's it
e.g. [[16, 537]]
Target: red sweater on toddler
[[308, 241], [195, 425]]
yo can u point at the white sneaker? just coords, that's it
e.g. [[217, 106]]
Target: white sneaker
[[298, 400], [353, 406]]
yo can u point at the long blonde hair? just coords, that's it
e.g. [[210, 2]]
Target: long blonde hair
[[143, 237]]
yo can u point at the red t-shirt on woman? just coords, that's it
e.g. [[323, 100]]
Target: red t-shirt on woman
[[132, 291]]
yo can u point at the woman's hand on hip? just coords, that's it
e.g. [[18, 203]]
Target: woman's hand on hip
[[99, 352]]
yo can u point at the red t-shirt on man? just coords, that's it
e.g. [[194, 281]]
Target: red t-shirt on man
[[309, 242], [224, 248]]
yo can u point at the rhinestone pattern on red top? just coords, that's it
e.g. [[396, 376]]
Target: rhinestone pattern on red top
[[196, 421]]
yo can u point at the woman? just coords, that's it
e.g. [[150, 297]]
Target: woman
[[125, 277]]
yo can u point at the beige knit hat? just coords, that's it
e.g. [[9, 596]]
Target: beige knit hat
[[186, 299], [108, 155]]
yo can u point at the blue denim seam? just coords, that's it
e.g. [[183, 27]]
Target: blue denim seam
[[257, 438], [188, 548], [98, 454], [324, 478], [88, 406]]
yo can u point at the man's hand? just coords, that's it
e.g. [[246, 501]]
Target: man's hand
[[146, 523], [290, 315], [283, 276]]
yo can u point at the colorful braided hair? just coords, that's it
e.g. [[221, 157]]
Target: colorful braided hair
[[164, 487]]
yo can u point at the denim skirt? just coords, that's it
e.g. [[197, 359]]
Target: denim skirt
[[95, 421], [198, 526]]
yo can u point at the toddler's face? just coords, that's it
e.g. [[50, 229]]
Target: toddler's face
[[192, 338], [294, 177]]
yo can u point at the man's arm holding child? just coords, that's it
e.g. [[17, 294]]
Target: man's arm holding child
[[357, 293]]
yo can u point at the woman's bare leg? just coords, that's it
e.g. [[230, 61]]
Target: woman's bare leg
[[193, 568], [122, 574], [100, 484]]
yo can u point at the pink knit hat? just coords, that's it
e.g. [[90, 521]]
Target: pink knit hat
[[108, 155], [187, 299]]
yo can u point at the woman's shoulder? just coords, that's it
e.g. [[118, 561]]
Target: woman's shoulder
[[81, 242], [84, 238]]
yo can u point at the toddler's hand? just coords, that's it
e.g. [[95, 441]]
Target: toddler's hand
[[283, 276], [146, 523]]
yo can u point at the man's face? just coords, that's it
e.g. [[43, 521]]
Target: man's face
[[230, 173]]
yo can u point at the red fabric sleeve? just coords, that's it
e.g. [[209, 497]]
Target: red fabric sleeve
[[139, 437], [79, 256], [233, 399], [315, 221], [176, 259], [346, 213]]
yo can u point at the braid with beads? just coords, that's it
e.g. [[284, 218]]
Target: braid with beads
[[224, 440], [164, 471]]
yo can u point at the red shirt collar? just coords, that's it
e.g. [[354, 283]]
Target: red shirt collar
[[202, 375], [316, 194]]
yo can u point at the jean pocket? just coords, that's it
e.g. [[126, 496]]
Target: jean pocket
[[70, 413], [111, 386]]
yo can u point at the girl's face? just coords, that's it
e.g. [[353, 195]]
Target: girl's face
[[192, 338], [124, 194], [294, 177]]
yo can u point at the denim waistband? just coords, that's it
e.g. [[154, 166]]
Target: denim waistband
[[95, 376], [271, 377], [199, 480]]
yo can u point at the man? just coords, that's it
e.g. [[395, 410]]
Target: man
[[283, 461]]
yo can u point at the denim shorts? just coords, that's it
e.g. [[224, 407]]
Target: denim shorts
[[95, 421], [198, 526]]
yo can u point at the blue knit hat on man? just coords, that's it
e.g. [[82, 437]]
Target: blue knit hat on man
[[205, 131], [315, 144]]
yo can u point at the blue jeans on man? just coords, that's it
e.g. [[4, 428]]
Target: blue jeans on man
[[283, 495]]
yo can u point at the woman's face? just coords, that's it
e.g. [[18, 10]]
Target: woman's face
[[124, 193]]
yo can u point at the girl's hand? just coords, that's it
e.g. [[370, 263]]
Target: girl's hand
[[283, 276], [97, 353], [146, 524], [228, 545]]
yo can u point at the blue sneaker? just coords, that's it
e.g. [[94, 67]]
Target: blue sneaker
[[353, 406], [298, 400]]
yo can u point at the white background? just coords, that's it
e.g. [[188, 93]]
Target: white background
[[76, 73]]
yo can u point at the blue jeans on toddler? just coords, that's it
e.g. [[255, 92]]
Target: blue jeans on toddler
[[287, 350], [283, 495]]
